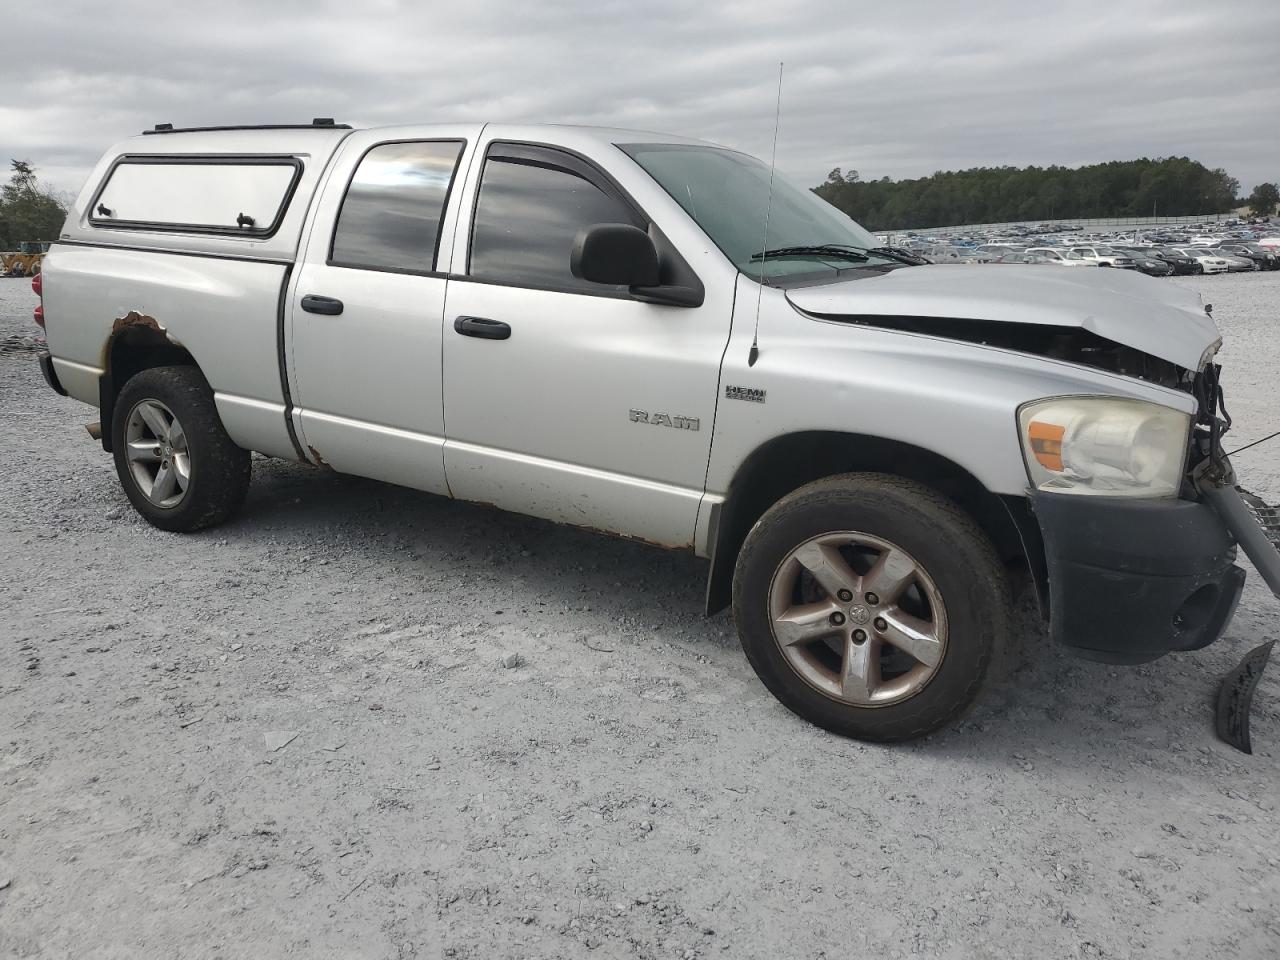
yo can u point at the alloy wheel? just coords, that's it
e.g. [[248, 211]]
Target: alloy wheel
[[156, 448], [858, 619]]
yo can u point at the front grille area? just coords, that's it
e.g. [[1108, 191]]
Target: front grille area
[[1268, 517]]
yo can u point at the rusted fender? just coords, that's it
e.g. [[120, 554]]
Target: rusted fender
[[135, 319]]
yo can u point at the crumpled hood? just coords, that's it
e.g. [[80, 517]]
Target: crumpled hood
[[1159, 318]]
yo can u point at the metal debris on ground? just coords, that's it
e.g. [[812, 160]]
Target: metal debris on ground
[[279, 739], [1236, 697]]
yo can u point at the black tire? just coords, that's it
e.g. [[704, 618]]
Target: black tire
[[219, 469], [1197, 270], [943, 540]]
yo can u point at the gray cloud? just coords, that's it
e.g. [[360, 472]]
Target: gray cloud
[[894, 89]]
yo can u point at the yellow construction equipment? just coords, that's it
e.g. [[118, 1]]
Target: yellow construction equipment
[[25, 261]]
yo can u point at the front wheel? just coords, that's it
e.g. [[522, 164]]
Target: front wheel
[[870, 606], [175, 461]]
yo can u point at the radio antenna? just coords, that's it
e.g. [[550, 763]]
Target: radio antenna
[[754, 353]]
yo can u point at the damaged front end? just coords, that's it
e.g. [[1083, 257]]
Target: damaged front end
[[1255, 525], [1068, 344]]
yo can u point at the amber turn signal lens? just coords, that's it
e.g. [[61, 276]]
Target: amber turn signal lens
[[1046, 443]]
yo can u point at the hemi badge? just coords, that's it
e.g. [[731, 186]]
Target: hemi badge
[[744, 393]]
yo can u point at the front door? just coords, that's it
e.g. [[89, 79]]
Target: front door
[[367, 306], [566, 399]]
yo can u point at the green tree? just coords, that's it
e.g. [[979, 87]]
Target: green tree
[[1171, 186], [1264, 199], [28, 211]]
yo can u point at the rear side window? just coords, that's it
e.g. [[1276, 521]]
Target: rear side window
[[223, 195], [533, 202], [390, 217]]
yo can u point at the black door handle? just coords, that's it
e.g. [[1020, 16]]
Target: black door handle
[[325, 305], [482, 327]]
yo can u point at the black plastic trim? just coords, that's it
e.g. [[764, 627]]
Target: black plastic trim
[[444, 209], [1132, 579], [282, 361], [182, 160], [825, 277], [163, 128], [50, 374], [546, 288], [106, 405], [1024, 523], [482, 328], [325, 306], [401, 271]]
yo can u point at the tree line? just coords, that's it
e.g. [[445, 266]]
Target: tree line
[[1167, 187], [28, 209]]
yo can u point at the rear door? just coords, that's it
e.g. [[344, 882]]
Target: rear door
[[367, 304]]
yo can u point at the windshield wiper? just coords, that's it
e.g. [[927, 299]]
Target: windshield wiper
[[817, 250], [910, 259]]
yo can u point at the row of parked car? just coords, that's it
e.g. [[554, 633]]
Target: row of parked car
[[1154, 261], [1243, 249]]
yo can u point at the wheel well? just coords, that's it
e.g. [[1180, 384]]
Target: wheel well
[[131, 350], [787, 463]]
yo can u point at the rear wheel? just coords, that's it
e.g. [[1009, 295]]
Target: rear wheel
[[870, 606], [175, 461]]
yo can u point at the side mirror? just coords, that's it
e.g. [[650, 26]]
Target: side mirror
[[617, 254], [622, 255]]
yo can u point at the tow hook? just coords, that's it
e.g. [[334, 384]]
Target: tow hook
[[1256, 528]]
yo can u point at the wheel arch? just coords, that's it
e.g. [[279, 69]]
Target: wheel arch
[[132, 348], [787, 463]]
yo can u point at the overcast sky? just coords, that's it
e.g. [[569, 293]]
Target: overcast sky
[[888, 89]]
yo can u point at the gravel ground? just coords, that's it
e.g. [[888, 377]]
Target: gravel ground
[[626, 789]]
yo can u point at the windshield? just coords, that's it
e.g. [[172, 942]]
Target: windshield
[[727, 193]]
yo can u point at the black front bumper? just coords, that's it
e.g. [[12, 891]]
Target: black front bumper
[[1131, 580]]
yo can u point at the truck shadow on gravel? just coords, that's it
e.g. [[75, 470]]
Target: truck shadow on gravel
[[1036, 693]]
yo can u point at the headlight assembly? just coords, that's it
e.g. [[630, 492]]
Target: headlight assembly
[[1104, 446]]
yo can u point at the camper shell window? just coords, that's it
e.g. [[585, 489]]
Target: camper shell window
[[241, 196]]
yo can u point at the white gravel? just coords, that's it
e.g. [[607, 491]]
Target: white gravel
[[360, 721]]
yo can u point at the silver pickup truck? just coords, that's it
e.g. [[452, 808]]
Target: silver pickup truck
[[596, 327]]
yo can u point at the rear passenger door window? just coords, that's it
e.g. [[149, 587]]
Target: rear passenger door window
[[532, 203], [390, 216]]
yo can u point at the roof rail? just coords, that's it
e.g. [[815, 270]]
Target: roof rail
[[322, 123]]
